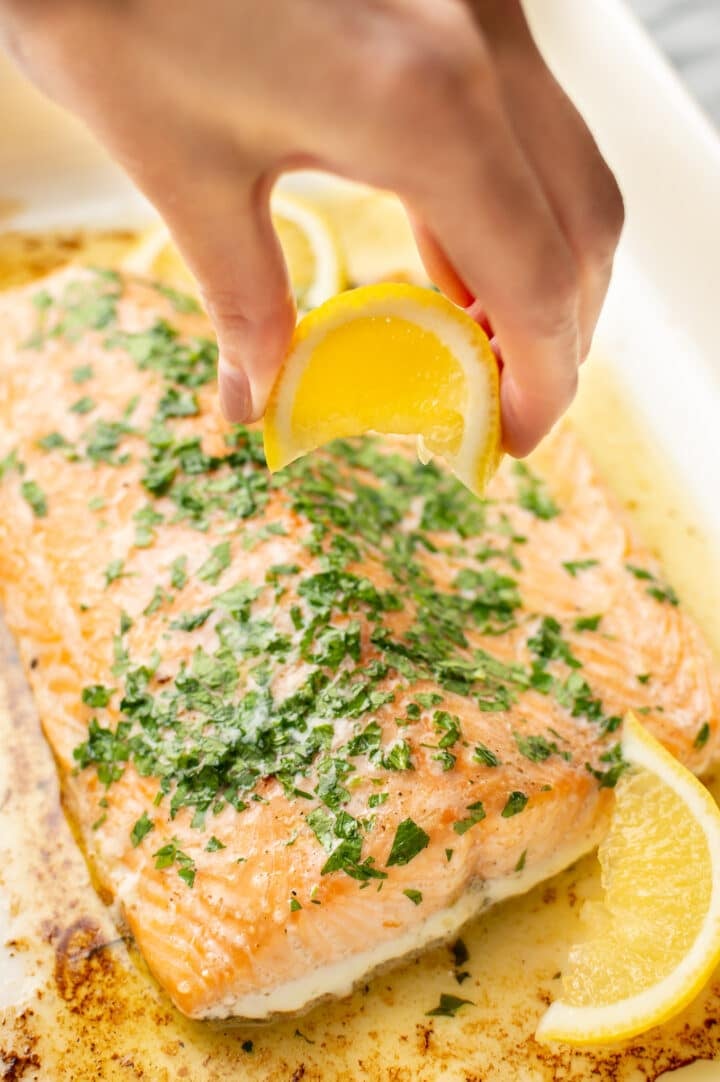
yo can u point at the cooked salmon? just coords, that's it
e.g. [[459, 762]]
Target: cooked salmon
[[308, 723]]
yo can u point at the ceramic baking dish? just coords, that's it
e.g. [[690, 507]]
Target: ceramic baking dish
[[100, 1017]]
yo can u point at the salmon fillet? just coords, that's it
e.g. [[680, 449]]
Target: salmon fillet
[[309, 723]]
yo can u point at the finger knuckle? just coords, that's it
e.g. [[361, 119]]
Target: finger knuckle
[[602, 225], [439, 58], [554, 294]]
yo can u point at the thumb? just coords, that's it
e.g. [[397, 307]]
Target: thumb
[[226, 236]]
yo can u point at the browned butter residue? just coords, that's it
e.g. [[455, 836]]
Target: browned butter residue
[[92, 1012]]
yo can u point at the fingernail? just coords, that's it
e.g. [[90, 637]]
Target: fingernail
[[235, 395]]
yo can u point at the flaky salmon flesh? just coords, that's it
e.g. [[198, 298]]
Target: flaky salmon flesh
[[308, 723]]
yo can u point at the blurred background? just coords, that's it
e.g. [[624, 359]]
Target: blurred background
[[688, 31]]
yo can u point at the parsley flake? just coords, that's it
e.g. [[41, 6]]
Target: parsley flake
[[477, 814], [409, 840], [35, 497], [449, 1006], [514, 804], [142, 827], [217, 562], [532, 493], [574, 566], [484, 755], [213, 845], [169, 855], [96, 695]]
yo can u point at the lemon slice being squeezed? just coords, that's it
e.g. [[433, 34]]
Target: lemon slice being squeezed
[[391, 358], [654, 939]]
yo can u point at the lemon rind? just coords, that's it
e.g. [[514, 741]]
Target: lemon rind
[[636, 1014], [329, 274]]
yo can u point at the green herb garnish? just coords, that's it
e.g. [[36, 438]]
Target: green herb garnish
[[142, 827], [409, 840], [35, 497], [514, 804], [449, 1006]]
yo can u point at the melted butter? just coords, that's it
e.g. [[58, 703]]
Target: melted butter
[[87, 1008], [646, 483]]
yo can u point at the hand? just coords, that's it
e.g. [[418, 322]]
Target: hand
[[446, 102]]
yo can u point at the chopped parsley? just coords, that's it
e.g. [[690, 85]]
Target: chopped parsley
[[574, 566], [615, 767], [35, 497], [448, 727], [415, 896], [537, 748], [532, 493], [142, 828], [82, 373], [448, 1006], [52, 442], [428, 699], [484, 755], [169, 855], [9, 463], [96, 695], [115, 570], [477, 814], [159, 598], [660, 591], [702, 736], [178, 572], [42, 300], [190, 621], [83, 405], [146, 519], [514, 804], [588, 623], [409, 840], [217, 562], [398, 757], [103, 440], [181, 302]]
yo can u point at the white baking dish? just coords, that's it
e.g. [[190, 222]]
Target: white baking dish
[[658, 331]]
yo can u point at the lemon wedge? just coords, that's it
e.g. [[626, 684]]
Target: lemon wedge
[[308, 242], [391, 358], [655, 937]]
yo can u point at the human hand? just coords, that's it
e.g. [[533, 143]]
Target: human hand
[[446, 102]]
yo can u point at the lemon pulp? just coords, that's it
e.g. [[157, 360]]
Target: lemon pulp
[[412, 384]]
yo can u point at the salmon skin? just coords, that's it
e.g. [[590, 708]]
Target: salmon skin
[[308, 723]]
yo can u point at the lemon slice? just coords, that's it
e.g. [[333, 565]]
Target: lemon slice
[[655, 937], [155, 256], [310, 249], [308, 243], [392, 358]]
